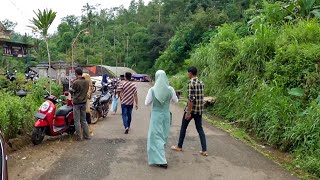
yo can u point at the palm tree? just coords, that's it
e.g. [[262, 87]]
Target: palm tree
[[41, 24]]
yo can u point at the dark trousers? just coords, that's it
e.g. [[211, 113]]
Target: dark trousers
[[88, 118], [79, 113], [126, 115], [198, 121]]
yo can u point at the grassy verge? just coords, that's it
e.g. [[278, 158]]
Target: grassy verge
[[285, 160]]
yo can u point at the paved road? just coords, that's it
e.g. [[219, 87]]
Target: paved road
[[113, 155]]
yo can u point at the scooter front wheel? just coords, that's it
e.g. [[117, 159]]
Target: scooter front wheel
[[95, 115], [38, 135]]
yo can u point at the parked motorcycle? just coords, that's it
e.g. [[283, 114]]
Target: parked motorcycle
[[94, 87], [31, 75], [51, 122], [11, 76], [101, 104]]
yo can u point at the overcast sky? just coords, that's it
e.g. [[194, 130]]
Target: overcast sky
[[21, 11]]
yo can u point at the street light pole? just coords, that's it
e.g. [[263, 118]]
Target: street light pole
[[127, 50], [114, 51], [72, 53], [72, 47]]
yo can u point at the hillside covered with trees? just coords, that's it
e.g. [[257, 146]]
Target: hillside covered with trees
[[259, 58]]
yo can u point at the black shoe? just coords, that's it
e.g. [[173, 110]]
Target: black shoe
[[164, 166], [127, 131]]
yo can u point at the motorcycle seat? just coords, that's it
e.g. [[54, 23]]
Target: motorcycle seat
[[104, 98], [64, 110]]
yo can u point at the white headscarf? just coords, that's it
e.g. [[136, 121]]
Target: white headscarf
[[161, 87]]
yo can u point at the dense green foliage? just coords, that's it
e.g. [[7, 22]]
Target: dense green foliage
[[136, 36], [16, 115], [264, 72], [260, 59]]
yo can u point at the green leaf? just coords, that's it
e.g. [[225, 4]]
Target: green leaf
[[316, 13], [318, 100], [296, 92]]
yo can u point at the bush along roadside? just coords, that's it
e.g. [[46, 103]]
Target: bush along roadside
[[17, 114], [268, 84]]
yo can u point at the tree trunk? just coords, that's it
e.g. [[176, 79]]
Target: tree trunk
[[49, 62]]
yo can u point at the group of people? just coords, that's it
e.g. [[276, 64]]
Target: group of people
[[160, 96], [82, 91]]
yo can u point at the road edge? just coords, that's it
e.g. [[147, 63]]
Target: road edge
[[285, 161]]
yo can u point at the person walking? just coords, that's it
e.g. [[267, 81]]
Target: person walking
[[104, 84], [160, 96], [79, 90], [128, 95], [115, 100], [194, 111], [89, 94]]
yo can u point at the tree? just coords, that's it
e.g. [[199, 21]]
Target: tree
[[41, 24]]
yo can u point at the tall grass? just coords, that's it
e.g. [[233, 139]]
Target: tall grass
[[251, 76]]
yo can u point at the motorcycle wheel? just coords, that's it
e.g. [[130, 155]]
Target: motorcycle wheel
[[106, 109], [71, 130], [95, 115], [37, 135]]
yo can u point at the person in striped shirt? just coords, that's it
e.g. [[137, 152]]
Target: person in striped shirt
[[128, 96]]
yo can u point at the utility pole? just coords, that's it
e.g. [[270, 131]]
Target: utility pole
[[159, 20], [114, 50], [102, 54], [127, 50]]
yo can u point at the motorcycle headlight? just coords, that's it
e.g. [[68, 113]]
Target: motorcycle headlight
[[44, 106]]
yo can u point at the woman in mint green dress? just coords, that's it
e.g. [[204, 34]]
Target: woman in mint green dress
[[159, 96]]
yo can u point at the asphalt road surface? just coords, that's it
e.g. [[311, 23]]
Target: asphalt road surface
[[113, 155]]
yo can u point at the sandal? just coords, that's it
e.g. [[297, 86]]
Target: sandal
[[164, 166], [176, 148], [204, 153]]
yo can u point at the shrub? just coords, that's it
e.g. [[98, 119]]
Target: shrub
[[297, 59], [251, 76], [16, 115], [270, 114]]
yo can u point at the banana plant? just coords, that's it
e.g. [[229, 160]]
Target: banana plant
[[304, 8]]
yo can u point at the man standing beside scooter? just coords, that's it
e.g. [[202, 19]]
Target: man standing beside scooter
[[79, 90]]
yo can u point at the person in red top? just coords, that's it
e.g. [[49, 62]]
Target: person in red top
[[128, 95]]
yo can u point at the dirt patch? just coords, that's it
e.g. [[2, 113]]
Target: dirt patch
[[32, 161], [18, 143]]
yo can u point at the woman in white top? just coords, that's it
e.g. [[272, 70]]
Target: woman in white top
[[160, 96]]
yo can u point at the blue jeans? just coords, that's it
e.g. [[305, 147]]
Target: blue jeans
[[126, 115], [198, 121]]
